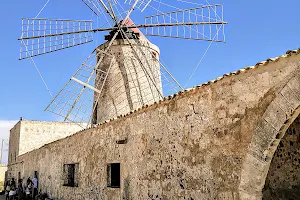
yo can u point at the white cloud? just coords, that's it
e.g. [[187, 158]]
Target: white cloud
[[5, 126]]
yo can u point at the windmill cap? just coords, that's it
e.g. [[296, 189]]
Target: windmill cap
[[129, 22]]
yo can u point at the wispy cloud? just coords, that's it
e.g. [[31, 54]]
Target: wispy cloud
[[5, 126]]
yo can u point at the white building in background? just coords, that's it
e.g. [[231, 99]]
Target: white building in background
[[28, 135]]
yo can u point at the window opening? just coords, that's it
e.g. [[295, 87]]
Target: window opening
[[113, 175], [70, 175]]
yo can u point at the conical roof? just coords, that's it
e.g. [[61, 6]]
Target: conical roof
[[129, 22]]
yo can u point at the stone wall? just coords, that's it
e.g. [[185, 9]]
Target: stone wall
[[190, 146], [3, 169], [283, 180], [14, 140], [35, 134]]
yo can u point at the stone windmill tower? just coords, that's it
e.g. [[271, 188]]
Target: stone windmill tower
[[129, 85], [125, 72]]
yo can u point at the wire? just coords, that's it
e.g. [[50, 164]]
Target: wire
[[42, 9], [120, 15], [158, 9], [188, 2], [201, 59], [168, 5], [105, 16], [37, 69], [124, 11], [215, 10]]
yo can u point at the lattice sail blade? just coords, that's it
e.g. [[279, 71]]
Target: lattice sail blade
[[42, 36], [113, 86], [75, 102], [201, 23], [94, 6], [169, 84], [142, 4]]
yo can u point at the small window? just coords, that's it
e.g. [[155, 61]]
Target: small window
[[70, 175], [36, 174], [113, 175]]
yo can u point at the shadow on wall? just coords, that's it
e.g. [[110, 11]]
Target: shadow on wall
[[282, 194], [283, 180]]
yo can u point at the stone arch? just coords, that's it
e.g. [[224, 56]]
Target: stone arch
[[270, 129], [283, 179]]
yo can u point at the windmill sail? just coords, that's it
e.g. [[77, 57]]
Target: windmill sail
[[94, 6], [75, 101], [142, 4], [42, 36], [107, 85], [202, 23], [124, 73]]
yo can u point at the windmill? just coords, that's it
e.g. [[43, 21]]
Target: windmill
[[124, 73]]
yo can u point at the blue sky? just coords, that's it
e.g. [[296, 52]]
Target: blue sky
[[256, 31]]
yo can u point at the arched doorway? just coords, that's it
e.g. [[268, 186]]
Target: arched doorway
[[283, 179], [282, 114]]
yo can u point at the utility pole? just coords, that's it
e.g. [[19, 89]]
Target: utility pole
[[1, 151]]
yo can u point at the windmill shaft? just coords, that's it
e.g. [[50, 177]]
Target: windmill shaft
[[85, 84], [107, 10], [129, 12], [135, 26]]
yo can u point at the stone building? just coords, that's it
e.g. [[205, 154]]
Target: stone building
[[28, 135], [3, 169], [236, 138]]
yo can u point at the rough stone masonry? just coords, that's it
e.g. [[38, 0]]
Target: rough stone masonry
[[215, 141], [128, 86]]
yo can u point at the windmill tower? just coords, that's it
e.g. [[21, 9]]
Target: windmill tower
[[125, 72], [129, 84]]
